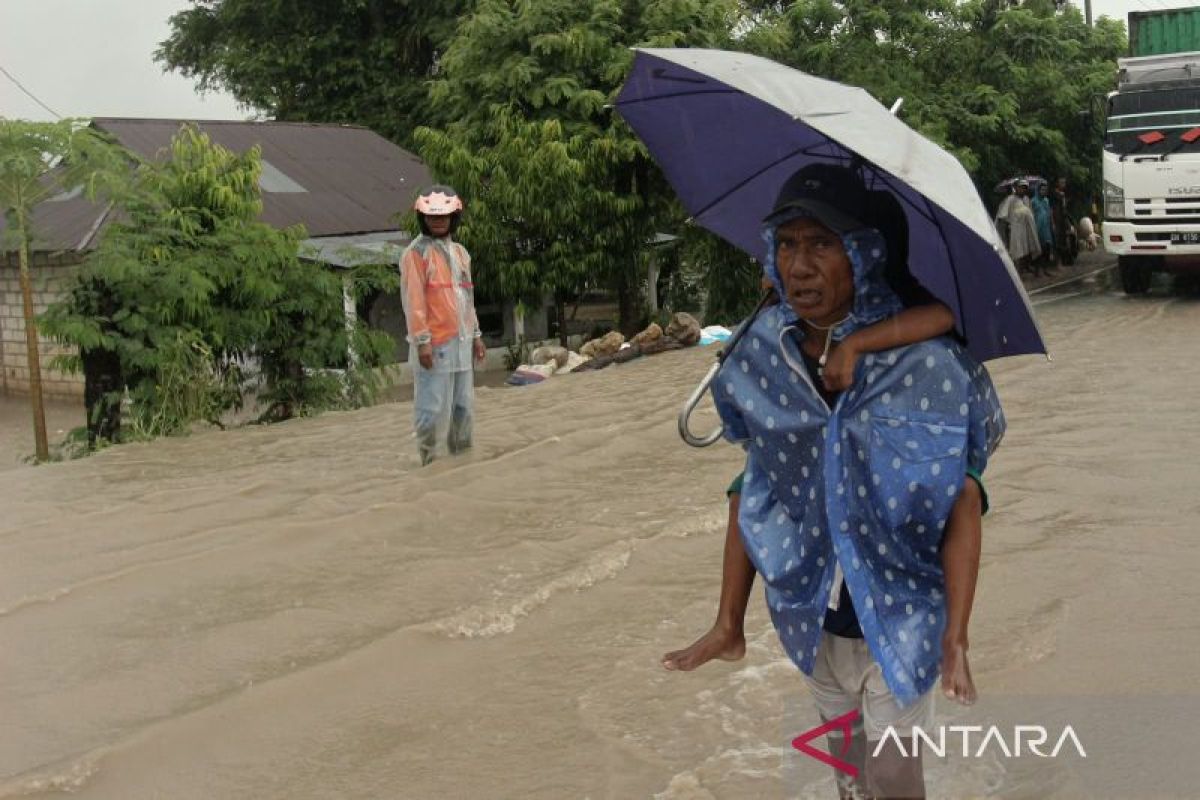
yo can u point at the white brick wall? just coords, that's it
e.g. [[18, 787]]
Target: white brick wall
[[48, 273]]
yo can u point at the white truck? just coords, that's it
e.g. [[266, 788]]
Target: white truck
[[1152, 168]]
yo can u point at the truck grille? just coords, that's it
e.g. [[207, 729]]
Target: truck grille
[[1167, 210], [1172, 221]]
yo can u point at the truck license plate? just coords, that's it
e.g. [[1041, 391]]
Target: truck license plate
[[1191, 237]]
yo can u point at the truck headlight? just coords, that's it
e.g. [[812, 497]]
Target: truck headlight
[[1114, 201]]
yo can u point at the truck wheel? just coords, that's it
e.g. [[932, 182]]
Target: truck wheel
[[1135, 274]]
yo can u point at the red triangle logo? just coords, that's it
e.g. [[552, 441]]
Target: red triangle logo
[[845, 724]]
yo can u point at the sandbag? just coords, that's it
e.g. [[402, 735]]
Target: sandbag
[[574, 360], [684, 329], [523, 376], [604, 346], [652, 334], [550, 354]]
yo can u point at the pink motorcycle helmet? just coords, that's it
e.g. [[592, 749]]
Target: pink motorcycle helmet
[[438, 200]]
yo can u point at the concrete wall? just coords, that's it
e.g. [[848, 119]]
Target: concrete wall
[[49, 274], [537, 322]]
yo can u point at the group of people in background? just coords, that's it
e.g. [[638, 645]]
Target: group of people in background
[[1036, 226]]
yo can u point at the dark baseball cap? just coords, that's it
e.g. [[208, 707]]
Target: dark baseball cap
[[834, 196]]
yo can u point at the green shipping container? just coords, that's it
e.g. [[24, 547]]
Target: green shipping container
[[1156, 33]]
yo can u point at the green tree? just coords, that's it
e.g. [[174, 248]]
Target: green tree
[[1045, 68], [732, 279], [364, 62], [37, 161], [1000, 84], [561, 193], [188, 287]]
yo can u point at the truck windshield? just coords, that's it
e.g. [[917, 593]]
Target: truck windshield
[[1171, 112]]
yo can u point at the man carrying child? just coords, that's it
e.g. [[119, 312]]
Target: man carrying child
[[856, 506]]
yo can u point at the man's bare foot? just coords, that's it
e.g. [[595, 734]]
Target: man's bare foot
[[719, 642], [956, 674]]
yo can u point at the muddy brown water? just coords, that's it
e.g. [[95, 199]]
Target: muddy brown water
[[299, 611]]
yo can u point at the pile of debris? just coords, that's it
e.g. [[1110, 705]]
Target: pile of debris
[[682, 331]]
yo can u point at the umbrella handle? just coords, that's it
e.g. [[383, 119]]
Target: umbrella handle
[[689, 406], [693, 400]]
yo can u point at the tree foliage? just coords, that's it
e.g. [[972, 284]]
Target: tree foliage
[[562, 195], [37, 161], [1002, 85], [188, 287], [1005, 86], [364, 62], [41, 159]]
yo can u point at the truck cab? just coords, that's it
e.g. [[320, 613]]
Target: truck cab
[[1152, 168]]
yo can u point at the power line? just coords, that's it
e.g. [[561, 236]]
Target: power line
[[32, 96]]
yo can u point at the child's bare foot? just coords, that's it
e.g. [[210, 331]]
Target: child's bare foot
[[723, 643], [956, 674]]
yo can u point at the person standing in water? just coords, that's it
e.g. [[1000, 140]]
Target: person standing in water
[[1017, 213], [1045, 227], [443, 328], [851, 499], [923, 317]]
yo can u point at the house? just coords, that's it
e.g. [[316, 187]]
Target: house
[[346, 185]]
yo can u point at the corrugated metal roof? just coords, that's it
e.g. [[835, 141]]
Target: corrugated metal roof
[[352, 251], [354, 181], [65, 225]]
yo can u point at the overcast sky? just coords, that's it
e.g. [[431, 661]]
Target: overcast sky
[[86, 58], [95, 58]]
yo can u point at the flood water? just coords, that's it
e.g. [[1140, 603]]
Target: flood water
[[300, 611], [17, 444]]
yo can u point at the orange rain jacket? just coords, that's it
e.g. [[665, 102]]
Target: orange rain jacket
[[438, 294]]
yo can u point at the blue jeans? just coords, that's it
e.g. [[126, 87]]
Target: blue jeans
[[442, 409]]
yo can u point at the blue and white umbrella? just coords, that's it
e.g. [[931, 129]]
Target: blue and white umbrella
[[729, 128]]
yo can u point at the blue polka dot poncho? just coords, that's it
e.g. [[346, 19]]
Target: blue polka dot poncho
[[867, 485]]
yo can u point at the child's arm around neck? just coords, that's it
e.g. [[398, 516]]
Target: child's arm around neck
[[910, 326]]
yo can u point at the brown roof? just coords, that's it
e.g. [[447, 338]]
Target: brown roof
[[333, 179]]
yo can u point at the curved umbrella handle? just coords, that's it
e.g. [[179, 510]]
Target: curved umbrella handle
[[689, 406], [694, 398]]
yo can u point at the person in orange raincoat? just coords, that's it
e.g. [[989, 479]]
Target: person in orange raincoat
[[443, 328]]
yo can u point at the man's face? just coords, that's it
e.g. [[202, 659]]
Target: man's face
[[438, 224], [1022, 190], [817, 277], [1061, 183]]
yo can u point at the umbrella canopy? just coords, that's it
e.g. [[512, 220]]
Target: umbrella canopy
[[729, 128], [1034, 181]]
